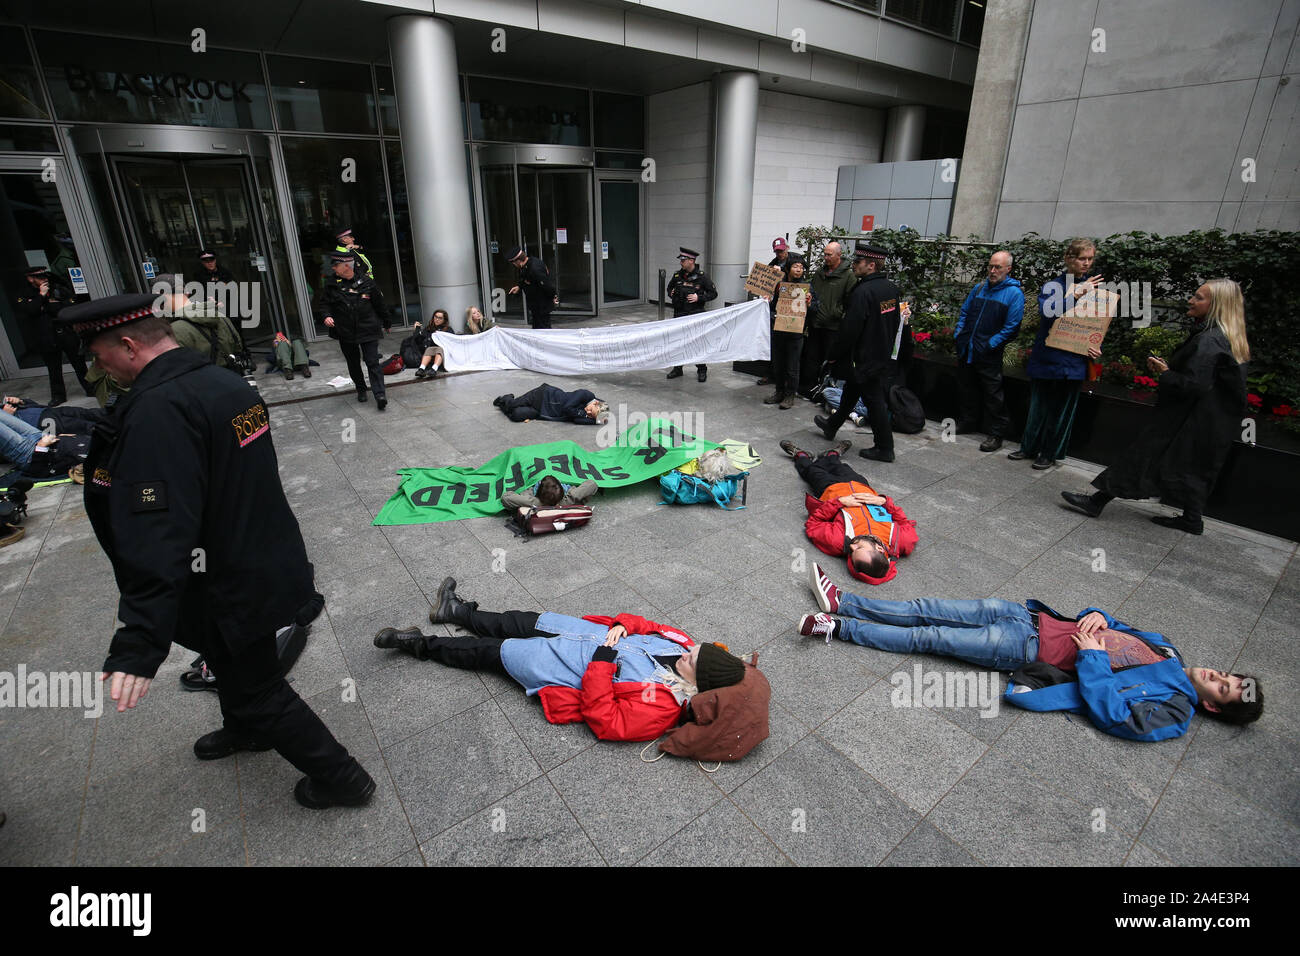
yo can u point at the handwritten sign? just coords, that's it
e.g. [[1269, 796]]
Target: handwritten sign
[[1084, 326], [791, 306], [762, 279]]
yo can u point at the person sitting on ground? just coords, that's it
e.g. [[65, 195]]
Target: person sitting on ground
[[1130, 683], [551, 404], [549, 493], [846, 517], [476, 321], [441, 322], [627, 677], [291, 356]]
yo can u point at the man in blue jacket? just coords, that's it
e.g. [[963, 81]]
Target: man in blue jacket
[[990, 318], [551, 404], [1129, 683]]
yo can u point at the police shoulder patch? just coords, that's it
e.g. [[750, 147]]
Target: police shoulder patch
[[149, 496]]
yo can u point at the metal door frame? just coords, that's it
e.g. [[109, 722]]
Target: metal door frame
[[621, 176]]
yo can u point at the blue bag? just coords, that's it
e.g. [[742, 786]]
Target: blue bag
[[682, 489]]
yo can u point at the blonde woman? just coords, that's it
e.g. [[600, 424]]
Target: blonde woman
[[626, 677], [476, 321], [1198, 415]]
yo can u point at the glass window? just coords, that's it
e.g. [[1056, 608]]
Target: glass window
[[972, 22], [872, 5], [322, 96], [619, 160], [94, 81], [20, 92], [323, 206], [27, 139], [620, 121], [405, 244], [512, 112], [388, 99], [937, 15]]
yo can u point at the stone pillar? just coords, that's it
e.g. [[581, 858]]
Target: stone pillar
[[423, 51], [735, 131], [904, 133]]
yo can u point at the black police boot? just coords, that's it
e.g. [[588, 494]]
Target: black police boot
[[448, 608], [381, 402], [1082, 502], [361, 395], [822, 422], [675, 372], [702, 373], [319, 796], [223, 743], [409, 639]]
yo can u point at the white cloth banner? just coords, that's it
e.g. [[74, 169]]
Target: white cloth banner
[[737, 333]]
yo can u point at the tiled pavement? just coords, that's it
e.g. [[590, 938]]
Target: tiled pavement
[[469, 772]]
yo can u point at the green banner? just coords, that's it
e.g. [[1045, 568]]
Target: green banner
[[645, 450]]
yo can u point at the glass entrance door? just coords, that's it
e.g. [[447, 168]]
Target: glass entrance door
[[619, 250], [548, 209], [178, 207]]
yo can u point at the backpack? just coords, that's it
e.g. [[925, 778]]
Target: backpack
[[679, 488], [546, 520], [411, 350], [906, 411], [728, 722], [393, 365]]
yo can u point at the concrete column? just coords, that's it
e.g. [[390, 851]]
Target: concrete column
[[735, 132], [904, 134], [433, 152], [992, 108]]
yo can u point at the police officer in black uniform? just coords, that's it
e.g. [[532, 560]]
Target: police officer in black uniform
[[352, 308], [866, 350], [690, 290], [184, 495], [46, 298], [535, 280], [213, 271]]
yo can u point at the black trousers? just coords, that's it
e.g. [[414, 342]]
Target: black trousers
[[825, 470], [258, 701], [874, 392], [787, 349], [482, 653], [816, 349], [539, 314], [528, 405], [54, 366], [353, 352], [981, 398]]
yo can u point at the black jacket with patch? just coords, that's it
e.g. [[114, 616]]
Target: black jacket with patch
[[357, 307], [183, 491]]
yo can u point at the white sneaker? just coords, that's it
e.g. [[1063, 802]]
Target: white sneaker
[[811, 624]]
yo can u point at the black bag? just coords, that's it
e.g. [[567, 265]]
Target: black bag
[[411, 350], [905, 410]]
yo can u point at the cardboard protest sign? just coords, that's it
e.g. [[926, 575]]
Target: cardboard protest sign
[[762, 279], [1085, 325], [791, 306]]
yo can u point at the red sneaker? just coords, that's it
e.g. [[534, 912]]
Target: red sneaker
[[822, 624], [828, 595]]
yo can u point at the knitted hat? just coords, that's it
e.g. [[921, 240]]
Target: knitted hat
[[717, 668]]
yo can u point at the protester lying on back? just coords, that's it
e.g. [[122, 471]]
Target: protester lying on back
[[66, 418], [846, 517], [551, 404], [1129, 683], [549, 493]]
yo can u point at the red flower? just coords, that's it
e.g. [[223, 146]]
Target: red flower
[[921, 337], [1283, 410], [1254, 400], [1144, 381]]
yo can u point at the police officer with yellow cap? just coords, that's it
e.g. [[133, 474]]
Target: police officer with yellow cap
[[183, 492]]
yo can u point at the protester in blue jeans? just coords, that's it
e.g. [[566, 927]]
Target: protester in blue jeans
[[19, 440], [1129, 683]]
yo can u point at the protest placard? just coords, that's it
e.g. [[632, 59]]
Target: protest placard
[[791, 306], [762, 279], [1084, 326]]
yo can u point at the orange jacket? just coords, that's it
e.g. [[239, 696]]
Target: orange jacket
[[831, 526]]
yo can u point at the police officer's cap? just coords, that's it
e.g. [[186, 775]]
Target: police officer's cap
[[865, 250], [515, 253], [38, 271], [343, 256], [88, 319], [207, 254], [341, 235], [684, 253]]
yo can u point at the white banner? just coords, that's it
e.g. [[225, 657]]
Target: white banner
[[737, 333]]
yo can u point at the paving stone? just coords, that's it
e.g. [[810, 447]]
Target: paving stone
[[1200, 823], [926, 846], [721, 836]]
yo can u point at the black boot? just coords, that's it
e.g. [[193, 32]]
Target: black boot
[[1088, 504], [448, 608], [356, 792], [223, 743], [361, 395], [409, 639]]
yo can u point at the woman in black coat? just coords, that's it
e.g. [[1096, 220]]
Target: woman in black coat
[[1198, 415]]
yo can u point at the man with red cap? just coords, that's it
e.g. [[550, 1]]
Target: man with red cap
[[783, 256], [183, 492], [846, 516]]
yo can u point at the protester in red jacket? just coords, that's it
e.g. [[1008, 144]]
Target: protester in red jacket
[[847, 517], [626, 677]]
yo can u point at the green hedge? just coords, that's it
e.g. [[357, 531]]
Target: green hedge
[[939, 273]]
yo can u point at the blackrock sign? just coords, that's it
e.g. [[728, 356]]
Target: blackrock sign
[[173, 85]]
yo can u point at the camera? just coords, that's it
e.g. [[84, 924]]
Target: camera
[[13, 506]]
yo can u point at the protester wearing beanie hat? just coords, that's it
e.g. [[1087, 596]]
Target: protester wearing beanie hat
[[717, 667]]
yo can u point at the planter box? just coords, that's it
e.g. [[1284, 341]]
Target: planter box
[[1255, 479]]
